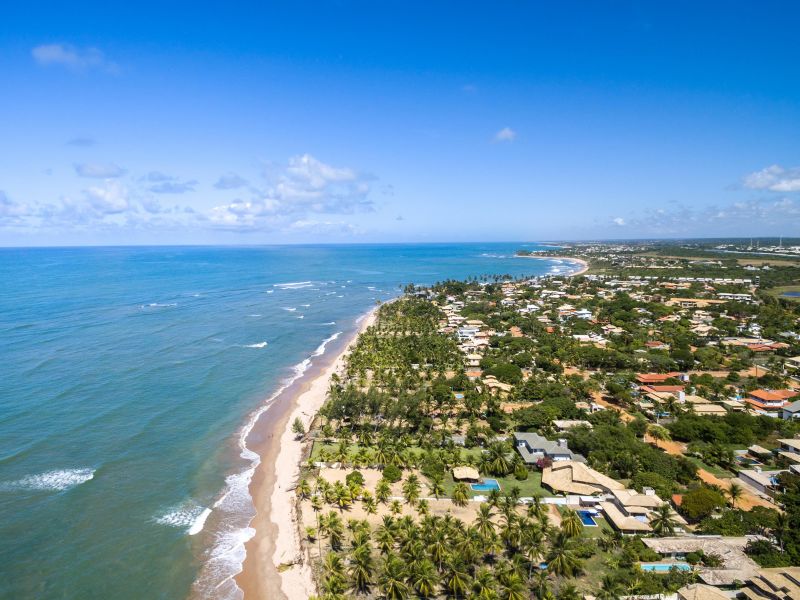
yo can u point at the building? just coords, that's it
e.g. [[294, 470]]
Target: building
[[533, 448], [781, 583], [572, 477], [765, 482], [770, 402], [736, 565], [701, 591], [791, 411]]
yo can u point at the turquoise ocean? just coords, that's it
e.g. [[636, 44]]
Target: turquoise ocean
[[128, 377]]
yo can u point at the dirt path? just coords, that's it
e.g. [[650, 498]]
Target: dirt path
[[748, 499], [624, 415]]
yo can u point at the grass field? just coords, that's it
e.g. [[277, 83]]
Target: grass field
[[779, 291]]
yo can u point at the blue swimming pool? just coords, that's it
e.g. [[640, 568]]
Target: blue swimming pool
[[487, 485], [664, 567], [587, 518]]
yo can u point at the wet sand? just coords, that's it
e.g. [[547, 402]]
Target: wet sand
[[580, 261]]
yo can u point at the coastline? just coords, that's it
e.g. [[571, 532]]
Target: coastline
[[584, 265], [275, 564]]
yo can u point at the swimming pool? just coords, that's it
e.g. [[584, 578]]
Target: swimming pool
[[664, 567], [587, 518], [486, 485]]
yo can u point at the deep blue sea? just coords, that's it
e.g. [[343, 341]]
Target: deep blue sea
[[127, 375]]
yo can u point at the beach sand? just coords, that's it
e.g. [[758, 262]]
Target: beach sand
[[580, 261], [276, 565]]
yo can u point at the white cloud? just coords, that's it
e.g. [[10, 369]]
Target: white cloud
[[775, 179], [506, 134], [72, 58], [618, 221], [111, 198], [99, 170], [303, 187]]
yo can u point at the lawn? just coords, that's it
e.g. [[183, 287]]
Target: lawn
[[714, 470], [532, 486], [779, 291]]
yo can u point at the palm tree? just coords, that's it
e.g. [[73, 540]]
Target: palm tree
[[411, 489], [561, 560], [483, 522], [460, 494], [512, 586], [735, 492], [496, 459], [610, 589], [392, 579], [568, 592], [424, 579], [360, 570], [436, 487], [456, 579], [663, 521], [781, 529], [571, 523], [383, 491], [483, 585]]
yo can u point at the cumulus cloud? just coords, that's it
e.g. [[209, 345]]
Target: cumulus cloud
[[506, 134], [230, 181], [111, 198], [99, 170], [303, 187], [775, 179], [618, 221], [160, 183], [72, 58]]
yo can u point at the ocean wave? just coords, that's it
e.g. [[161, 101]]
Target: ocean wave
[[258, 345], [293, 285], [56, 481], [254, 315], [306, 305], [289, 308], [189, 516], [153, 305], [300, 317], [223, 560], [330, 323]]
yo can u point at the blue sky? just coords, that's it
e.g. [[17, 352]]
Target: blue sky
[[397, 121]]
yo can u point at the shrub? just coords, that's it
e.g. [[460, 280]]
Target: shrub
[[355, 478], [392, 473]]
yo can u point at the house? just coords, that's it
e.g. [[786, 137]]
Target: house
[[701, 591], [765, 482], [654, 378], [736, 565], [709, 410], [770, 402], [628, 511], [779, 583], [533, 448], [791, 411], [656, 345], [572, 477]]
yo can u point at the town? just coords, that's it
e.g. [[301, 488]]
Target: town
[[630, 432]]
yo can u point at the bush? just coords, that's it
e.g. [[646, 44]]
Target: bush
[[392, 473], [521, 472], [701, 502], [766, 555], [355, 478]]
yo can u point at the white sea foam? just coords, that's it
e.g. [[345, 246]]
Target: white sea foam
[[258, 345], [300, 317], [254, 315], [55, 481], [305, 305], [270, 291], [158, 305], [293, 285], [289, 308], [188, 515], [224, 559], [330, 323]]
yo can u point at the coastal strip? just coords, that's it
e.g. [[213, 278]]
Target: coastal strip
[[276, 565], [584, 266]]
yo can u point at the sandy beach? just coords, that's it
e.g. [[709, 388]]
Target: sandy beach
[[580, 261], [276, 565]]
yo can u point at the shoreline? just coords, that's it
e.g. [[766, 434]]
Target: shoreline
[[275, 563], [584, 264]]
